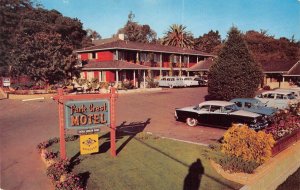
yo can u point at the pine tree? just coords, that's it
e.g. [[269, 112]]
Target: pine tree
[[234, 74]]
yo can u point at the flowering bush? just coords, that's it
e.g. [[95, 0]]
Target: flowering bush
[[240, 141], [50, 155], [71, 182], [57, 169], [42, 145], [283, 124]]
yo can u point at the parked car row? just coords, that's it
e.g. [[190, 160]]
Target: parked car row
[[172, 82]]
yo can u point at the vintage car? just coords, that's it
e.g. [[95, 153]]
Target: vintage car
[[253, 105], [189, 81], [201, 81], [219, 114], [277, 99], [170, 82], [295, 92]]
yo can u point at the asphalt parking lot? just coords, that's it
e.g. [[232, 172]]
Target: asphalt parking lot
[[25, 124]]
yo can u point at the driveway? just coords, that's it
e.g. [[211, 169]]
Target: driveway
[[25, 124]]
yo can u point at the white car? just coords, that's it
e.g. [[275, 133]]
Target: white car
[[295, 92], [189, 81], [277, 99], [170, 82]]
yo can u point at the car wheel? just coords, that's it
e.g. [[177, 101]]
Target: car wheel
[[191, 122], [170, 86]]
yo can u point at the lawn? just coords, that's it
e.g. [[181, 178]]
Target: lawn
[[146, 162]]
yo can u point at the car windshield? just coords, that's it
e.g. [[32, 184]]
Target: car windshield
[[291, 96], [230, 108], [258, 104]]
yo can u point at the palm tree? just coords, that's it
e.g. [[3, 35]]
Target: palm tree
[[179, 37]]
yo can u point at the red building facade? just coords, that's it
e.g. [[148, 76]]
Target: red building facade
[[118, 60]]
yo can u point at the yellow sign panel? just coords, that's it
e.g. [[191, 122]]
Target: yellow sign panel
[[89, 144]]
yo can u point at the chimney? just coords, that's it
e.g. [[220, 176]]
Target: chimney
[[121, 36]]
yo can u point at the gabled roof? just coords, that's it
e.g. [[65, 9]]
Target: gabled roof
[[136, 46], [112, 65], [295, 70], [278, 66], [202, 65]]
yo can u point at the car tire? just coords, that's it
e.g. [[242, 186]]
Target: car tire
[[192, 122], [170, 86]]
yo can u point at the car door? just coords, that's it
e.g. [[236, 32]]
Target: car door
[[215, 116], [203, 113]]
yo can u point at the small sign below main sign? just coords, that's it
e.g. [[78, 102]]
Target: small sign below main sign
[[89, 144], [88, 131], [87, 114]]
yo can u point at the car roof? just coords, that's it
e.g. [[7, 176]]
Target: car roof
[[277, 92], [216, 103], [245, 99]]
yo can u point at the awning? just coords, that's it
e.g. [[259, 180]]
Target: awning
[[113, 65]]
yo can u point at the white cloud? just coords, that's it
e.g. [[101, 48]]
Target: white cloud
[[65, 1]]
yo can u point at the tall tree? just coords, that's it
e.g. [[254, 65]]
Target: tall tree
[[41, 41], [209, 43], [234, 74], [9, 25], [136, 32], [179, 37], [45, 58]]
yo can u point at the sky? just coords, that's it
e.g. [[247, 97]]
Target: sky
[[280, 18]]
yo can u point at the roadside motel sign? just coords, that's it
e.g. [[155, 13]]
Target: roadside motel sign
[[86, 113]]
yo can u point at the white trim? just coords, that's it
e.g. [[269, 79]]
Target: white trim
[[118, 48]]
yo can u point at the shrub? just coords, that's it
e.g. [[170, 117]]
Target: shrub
[[50, 155], [72, 182], [151, 83], [266, 87], [57, 169], [237, 164], [42, 145], [240, 141]]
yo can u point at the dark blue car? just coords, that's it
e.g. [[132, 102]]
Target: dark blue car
[[253, 105]]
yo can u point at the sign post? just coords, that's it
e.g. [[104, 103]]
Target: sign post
[[61, 123], [87, 112]]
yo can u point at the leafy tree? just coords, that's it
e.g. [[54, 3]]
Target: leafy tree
[[209, 43], [45, 58], [92, 34], [9, 22], [234, 74], [136, 32], [179, 37], [38, 42], [266, 48]]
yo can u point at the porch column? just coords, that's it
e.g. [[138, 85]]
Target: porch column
[[117, 78], [180, 65], [160, 65], [283, 79], [188, 62], [137, 57], [197, 59], [144, 79], [117, 55], [188, 73], [134, 78]]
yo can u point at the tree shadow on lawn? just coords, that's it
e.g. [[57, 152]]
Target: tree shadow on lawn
[[129, 130]]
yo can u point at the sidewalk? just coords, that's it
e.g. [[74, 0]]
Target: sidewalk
[[275, 171]]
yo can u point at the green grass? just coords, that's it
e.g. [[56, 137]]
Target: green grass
[[146, 163]]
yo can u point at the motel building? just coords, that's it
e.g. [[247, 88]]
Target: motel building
[[115, 60]]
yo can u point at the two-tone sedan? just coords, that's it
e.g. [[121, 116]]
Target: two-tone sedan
[[219, 114]]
